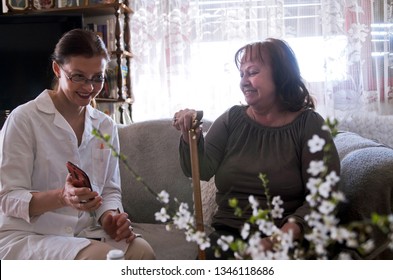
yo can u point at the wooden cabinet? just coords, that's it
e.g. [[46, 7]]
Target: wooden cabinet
[[120, 52]]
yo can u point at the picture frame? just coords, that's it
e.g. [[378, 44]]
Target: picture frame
[[99, 2], [43, 4], [71, 3], [17, 5]]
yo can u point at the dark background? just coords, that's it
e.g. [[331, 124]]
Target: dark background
[[26, 44]]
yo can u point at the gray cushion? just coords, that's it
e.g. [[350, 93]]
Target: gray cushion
[[367, 182], [347, 142], [366, 175], [168, 245], [151, 148]]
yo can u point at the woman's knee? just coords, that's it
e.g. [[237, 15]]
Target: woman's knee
[[95, 251], [139, 249]]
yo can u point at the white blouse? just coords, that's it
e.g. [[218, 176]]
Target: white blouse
[[35, 144]]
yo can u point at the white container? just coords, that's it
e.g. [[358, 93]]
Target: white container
[[115, 255]]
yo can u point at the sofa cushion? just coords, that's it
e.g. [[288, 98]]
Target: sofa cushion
[[367, 183], [168, 245], [366, 175], [347, 142], [151, 148]]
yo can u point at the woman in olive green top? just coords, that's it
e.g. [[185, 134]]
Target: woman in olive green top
[[269, 135]]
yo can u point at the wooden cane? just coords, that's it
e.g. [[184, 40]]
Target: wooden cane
[[192, 137]]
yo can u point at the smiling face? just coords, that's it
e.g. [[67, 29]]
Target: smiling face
[[256, 81], [77, 92]]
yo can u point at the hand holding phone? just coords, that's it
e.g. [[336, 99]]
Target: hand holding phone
[[79, 177]]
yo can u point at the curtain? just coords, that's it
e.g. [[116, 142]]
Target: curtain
[[183, 52]]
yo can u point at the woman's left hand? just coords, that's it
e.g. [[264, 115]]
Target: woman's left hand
[[267, 243], [118, 226]]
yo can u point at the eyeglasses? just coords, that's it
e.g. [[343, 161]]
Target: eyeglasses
[[82, 80]]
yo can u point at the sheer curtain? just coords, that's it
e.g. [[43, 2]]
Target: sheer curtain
[[184, 52]]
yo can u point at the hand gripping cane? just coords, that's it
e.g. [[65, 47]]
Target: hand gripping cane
[[192, 137]]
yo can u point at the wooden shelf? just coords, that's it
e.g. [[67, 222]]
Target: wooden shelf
[[123, 53], [92, 10], [120, 51], [109, 100]]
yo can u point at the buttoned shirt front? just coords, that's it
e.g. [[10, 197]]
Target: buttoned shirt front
[[35, 144]]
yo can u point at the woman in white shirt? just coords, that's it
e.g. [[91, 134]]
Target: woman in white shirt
[[42, 215]]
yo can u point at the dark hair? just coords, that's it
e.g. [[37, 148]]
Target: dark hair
[[285, 71], [79, 42]]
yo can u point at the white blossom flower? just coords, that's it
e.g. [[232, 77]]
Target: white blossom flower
[[339, 234], [313, 219], [312, 184], [325, 127], [277, 212], [353, 243], [253, 201], [183, 217], [332, 178], [326, 207], [162, 216], [254, 205], [286, 241], [325, 189], [277, 201], [316, 167], [163, 197], [316, 143], [314, 216], [368, 246], [339, 196], [344, 256], [199, 237], [266, 227], [312, 200], [224, 241], [330, 221], [255, 248], [245, 231]]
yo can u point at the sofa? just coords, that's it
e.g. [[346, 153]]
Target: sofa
[[151, 148]]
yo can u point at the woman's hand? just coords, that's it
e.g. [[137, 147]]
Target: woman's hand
[[269, 242], [82, 199], [117, 226], [183, 120]]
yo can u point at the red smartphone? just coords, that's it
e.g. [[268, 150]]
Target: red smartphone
[[79, 177]]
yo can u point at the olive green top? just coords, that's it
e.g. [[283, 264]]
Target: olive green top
[[236, 149]]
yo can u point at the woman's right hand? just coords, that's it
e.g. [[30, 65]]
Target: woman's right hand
[[183, 120], [82, 199]]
